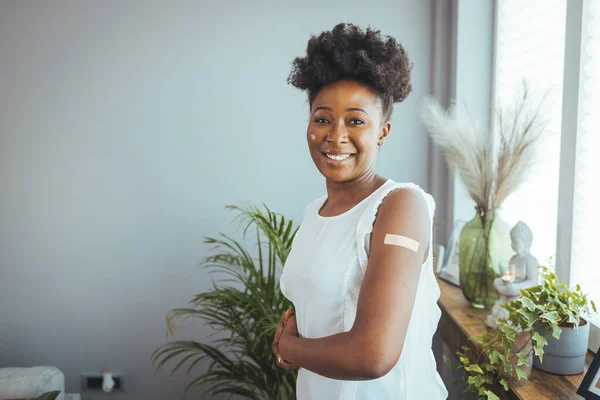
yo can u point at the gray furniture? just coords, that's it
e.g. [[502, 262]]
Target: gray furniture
[[30, 382]]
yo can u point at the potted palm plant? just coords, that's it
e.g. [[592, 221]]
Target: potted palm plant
[[240, 363]]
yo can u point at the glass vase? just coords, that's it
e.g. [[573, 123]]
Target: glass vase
[[484, 245]]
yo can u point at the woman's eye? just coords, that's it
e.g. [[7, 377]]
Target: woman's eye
[[356, 121], [321, 120]]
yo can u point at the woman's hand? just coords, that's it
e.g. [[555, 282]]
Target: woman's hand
[[291, 328], [281, 328]]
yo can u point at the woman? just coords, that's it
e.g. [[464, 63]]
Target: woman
[[360, 271]]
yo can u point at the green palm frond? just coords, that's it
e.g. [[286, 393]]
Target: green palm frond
[[245, 313]]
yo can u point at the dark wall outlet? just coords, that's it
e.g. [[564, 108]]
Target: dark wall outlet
[[93, 383]]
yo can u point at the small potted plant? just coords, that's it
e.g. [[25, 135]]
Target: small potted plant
[[553, 318], [558, 315]]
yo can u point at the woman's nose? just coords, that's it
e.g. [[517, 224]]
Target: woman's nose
[[338, 133]]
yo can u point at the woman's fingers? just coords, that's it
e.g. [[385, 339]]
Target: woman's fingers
[[288, 313], [284, 364], [291, 327], [278, 332]]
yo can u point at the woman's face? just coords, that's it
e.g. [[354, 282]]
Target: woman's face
[[345, 130]]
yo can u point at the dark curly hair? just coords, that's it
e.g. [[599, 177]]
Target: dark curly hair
[[349, 52]]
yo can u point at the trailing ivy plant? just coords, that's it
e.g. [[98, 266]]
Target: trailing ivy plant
[[542, 308]]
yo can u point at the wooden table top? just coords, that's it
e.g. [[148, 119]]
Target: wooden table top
[[460, 321]]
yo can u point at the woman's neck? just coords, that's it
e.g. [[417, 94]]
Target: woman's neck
[[343, 196]]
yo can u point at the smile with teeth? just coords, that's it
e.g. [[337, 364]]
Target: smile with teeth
[[338, 157]]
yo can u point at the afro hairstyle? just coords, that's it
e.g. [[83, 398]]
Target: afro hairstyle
[[365, 56]]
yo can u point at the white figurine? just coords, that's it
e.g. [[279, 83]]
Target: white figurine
[[522, 272], [107, 381]]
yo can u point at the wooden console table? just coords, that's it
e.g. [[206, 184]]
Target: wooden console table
[[460, 321]]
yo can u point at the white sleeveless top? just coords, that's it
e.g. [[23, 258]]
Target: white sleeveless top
[[322, 278]]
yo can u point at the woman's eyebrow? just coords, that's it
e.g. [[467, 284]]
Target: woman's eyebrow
[[347, 109], [322, 108], [356, 109]]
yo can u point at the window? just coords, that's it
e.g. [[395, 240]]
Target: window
[[530, 44], [531, 38]]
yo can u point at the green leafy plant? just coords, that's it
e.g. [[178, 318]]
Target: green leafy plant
[[541, 308], [248, 311]]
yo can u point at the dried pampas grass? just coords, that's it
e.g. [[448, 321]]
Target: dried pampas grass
[[490, 166]]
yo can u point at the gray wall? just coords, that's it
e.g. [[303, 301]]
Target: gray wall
[[125, 127]]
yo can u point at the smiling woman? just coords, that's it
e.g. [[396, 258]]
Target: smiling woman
[[342, 110], [365, 306]]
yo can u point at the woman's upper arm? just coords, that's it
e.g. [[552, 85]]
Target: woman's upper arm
[[390, 283]]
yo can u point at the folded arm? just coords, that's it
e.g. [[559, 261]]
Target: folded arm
[[374, 343]]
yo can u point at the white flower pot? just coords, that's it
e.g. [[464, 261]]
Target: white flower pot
[[564, 356]]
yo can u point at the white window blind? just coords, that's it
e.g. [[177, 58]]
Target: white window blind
[[530, 43], [585, 266]]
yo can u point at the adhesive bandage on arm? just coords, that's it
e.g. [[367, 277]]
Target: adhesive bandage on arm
[[401, 241]]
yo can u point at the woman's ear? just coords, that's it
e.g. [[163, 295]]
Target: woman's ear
[[384, 132]]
